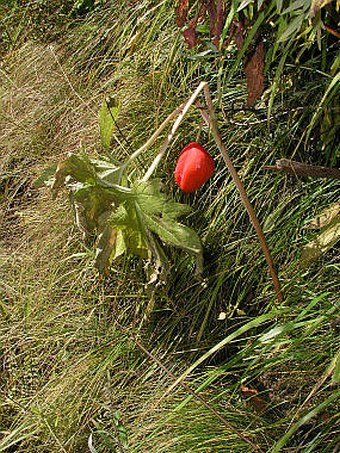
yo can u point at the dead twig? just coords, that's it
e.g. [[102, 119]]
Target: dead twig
[[300, 169], [212, 123]]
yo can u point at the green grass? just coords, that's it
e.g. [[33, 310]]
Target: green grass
[[70, 365]]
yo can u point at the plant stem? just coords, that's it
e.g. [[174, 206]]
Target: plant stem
[[212, 123], [174, 128], [300, 169]]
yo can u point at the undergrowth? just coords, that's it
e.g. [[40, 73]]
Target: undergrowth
[[72, 373]]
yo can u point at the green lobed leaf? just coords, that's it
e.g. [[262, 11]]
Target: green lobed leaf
[[90, 203], [160, 214], [174, 233], [78, 167], [108, 114], [135, 220], [147, 212], [46, 178], [108, 173], [134, 237], [152, 201]]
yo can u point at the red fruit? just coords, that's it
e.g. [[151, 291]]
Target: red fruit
[[194, 167]]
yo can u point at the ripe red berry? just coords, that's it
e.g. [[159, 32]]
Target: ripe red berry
[[194, 167]]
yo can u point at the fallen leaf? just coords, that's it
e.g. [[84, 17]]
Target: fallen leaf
[[182, 12], [315, 249], [325, 218]]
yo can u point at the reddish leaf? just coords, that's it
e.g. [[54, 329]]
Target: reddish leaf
[[211, 8], [201, 12], [220, 19], [182, 12], [240, 27], [189, 34], [253, 68], [256, 401], [190, 37]]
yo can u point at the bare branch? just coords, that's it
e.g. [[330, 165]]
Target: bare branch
[[212, 123], [300, 169]]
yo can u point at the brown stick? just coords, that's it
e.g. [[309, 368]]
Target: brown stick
[[198, 397], [212, 123], [298, 168]]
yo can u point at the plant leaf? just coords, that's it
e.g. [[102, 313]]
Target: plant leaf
[[78, 167], [151, 200], [108, 173], [125, 219], [160, 216], [254, 399], [190, 37], [46, 177], [254, 70], [244, 4], [181, 12], [279, 5], [304, 420], [108, 114], [174, 233], [334, 84], [134, 220], [297, 5], [90, 203], [107, 249], [146, 215]]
